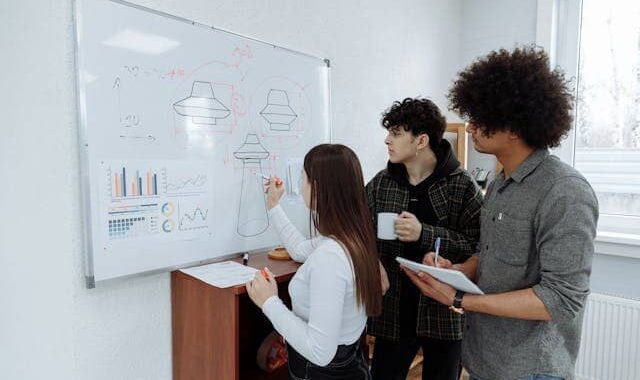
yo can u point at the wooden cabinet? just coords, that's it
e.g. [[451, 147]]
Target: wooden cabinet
[[217, 332]]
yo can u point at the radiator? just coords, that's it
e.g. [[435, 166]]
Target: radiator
[[610, 347]]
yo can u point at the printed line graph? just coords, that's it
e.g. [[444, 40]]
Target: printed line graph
[[194, 219], [187, 185]]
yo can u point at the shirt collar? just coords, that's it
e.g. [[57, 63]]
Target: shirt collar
[[529, 165]]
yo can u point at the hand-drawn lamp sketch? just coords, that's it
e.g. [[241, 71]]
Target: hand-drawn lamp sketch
[[252, 211], [278, 113], [202, 105]]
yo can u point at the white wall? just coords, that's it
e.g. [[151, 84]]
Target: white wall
[[490, 25], [616, 275], [40, 231], [50, 325]]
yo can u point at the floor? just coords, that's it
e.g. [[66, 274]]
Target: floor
[[415, 373]]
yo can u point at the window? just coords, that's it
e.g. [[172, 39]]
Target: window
[[597, 43]]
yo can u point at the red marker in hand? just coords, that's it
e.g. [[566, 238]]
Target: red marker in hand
[[264, 273], [278, 180]]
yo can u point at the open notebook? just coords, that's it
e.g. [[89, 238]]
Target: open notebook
[[452, 277]]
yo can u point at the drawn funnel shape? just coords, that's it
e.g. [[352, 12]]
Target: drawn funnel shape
[[252, 210], [251, 150], [278, 113], [201, 105]]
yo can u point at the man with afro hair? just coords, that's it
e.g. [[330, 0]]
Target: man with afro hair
[[538, 224]]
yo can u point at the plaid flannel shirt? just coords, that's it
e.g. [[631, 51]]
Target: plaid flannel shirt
[[456, 202]]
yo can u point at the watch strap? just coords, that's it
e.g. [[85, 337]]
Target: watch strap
[[457, 299]]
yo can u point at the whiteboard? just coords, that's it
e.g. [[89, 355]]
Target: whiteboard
[[177, 121]]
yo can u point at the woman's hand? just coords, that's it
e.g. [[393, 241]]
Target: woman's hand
[[274, 189], [260, 288], [384, 279]]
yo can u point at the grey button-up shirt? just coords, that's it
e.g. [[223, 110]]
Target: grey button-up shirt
[[537, 231]]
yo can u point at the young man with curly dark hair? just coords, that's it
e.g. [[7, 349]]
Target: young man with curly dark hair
[[434, 197], [538, 224]]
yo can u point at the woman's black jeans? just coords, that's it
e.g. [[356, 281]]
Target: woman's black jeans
[[348, 364]]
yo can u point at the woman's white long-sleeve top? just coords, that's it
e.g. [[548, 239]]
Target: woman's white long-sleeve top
[[325, 312]]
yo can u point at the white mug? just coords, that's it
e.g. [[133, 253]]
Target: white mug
[[387, 225]]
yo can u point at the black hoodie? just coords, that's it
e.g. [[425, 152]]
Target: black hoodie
[[420, 206]]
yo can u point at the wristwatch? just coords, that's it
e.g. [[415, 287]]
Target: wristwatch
[[457, 302]]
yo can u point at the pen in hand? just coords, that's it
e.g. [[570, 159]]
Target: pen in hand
[[437, 249]]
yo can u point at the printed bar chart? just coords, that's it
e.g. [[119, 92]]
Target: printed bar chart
[[125, 183]]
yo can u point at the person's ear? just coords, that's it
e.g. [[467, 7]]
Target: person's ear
[[423, 141], [511, 135]]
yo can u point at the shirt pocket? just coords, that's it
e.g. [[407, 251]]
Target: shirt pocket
[[513, 238]]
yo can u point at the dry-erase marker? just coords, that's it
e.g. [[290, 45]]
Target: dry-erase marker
[[437, 248], [245, 258], [266, 178], [264, 273]]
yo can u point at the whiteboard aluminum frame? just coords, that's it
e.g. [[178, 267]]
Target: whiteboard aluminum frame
[[213, 28], [84, 145]]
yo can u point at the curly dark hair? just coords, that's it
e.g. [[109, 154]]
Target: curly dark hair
[[417, 116], [515, 91]]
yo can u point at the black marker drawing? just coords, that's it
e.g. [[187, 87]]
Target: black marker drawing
[[133, 70], [130, 120], [278, 113], [147, 138], [252, 210], [201, 105]]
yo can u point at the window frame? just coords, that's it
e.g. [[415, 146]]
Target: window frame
[[558, 26]]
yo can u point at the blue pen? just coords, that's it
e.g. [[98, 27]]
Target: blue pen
[[437, 247]]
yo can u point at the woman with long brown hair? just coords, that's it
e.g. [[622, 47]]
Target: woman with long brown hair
[[338, 285]]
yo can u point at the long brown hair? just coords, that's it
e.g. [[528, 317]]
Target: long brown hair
[[341, 212]]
